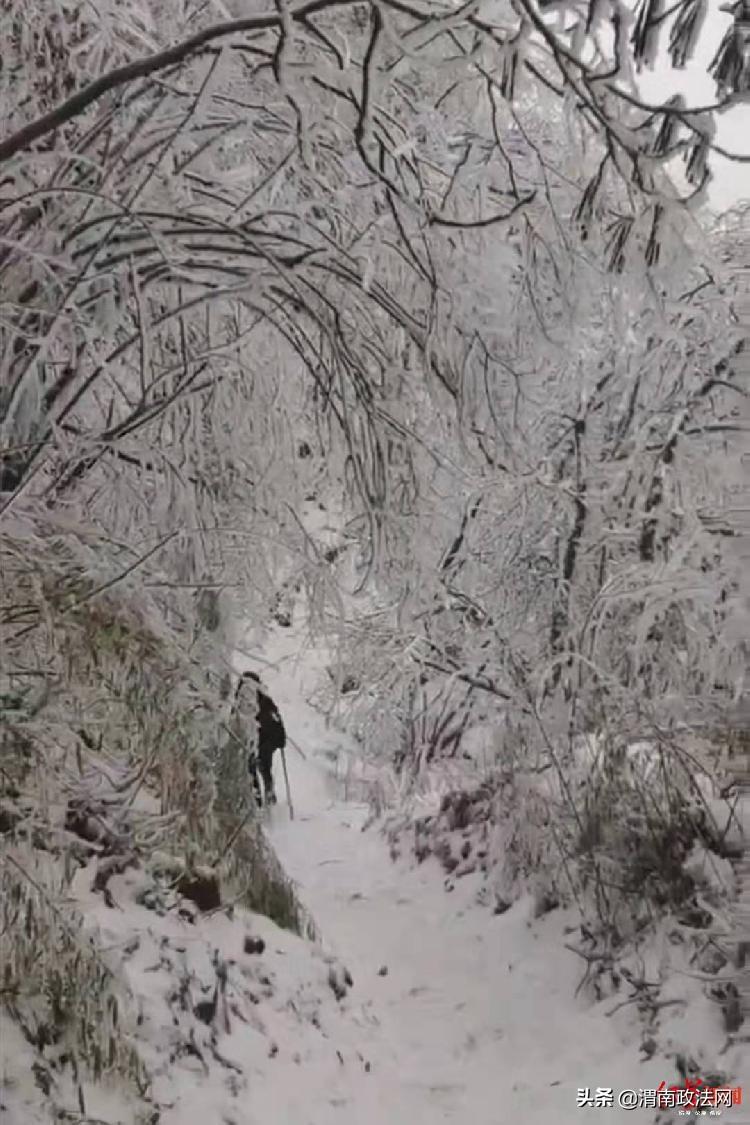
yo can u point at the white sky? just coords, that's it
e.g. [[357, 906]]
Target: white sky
[[731, 180]]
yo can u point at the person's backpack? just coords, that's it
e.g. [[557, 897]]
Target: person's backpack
[[271, 731]]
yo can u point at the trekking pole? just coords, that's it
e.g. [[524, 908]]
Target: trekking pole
[[286, 783], [299, 750]]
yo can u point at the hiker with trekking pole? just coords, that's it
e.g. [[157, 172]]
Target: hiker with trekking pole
[[251, 698]]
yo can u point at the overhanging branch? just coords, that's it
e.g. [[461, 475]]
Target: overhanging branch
[[77, 103]]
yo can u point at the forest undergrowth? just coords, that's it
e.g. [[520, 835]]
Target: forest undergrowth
[[113, 759], [433, 268]]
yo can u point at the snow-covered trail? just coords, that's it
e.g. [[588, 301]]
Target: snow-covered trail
[[475, 1018]]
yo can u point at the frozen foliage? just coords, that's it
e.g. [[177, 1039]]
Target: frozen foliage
[[573, 568], [281, 202], [422, 270], [106, 755]]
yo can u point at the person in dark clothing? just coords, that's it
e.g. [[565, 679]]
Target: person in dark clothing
[[271, 737]]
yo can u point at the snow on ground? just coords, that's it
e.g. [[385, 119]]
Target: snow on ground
[[476, 1014], [455, 1014]]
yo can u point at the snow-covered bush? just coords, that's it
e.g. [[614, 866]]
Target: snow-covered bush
[[56, 985], [589, 587], [307, 227], [108, 749]]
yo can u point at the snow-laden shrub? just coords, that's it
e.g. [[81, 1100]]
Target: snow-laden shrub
[[56, 985], [577, 568], [111, 746], [627, 830]]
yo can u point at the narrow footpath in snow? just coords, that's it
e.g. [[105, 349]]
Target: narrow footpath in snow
[[476, 1014]]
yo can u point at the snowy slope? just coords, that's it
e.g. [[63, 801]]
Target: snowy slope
[[454, 1014], [478, 1013]]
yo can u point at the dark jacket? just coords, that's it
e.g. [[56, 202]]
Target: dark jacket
[[271, 732]]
